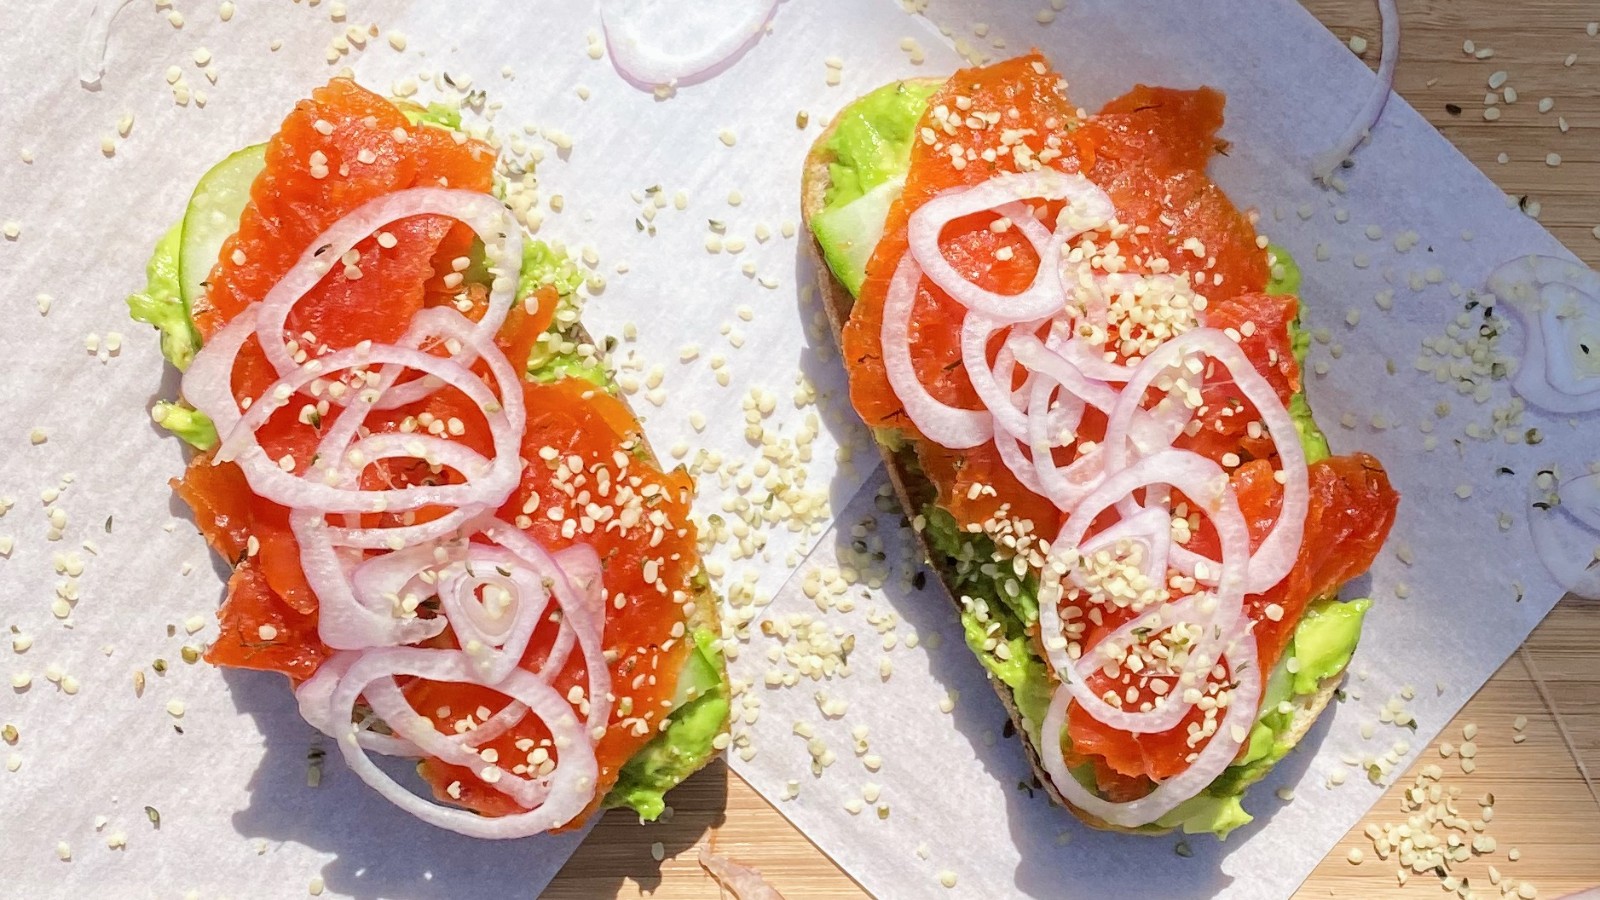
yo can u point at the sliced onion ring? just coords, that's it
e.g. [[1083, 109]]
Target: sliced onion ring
[[666, 43], [1205, 484], [96, 40], [1133, 471], [946, 425], [571, 784], [1220, 750], [485, 215], [1550, 296], [1279, 550], [366, 608], [1360, 128], [1088, 208]]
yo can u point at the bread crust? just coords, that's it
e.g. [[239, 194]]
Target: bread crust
[[915, 491]]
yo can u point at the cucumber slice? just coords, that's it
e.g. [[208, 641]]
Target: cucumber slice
[[702, 671], [849, 233], [213, 214]]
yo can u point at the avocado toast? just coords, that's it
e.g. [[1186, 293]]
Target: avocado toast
[[445, 527], [982, 526]]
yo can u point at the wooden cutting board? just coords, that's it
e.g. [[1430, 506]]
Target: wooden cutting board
[[1542, 808]]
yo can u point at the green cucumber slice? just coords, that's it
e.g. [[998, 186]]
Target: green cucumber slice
[[849, 233], [212, 216]]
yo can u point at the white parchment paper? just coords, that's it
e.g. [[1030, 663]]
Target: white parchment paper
[[237, 818]]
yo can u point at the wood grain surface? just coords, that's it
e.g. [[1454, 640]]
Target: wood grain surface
[[1542, 808]]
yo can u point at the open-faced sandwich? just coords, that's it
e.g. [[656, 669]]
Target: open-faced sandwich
[[1083, 366], [444, 525]]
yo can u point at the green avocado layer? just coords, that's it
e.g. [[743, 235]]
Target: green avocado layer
[[999, 608], [870, 149], [871, 143], [700, 709], [161, 304]]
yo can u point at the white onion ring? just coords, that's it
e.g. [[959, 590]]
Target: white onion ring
[[1089, 208], [1360, 128], [96, 40], [1150, 528], [1024, 468], [585, 617], [1220, 750], [1065, 486], [485, 215], [950, 426], [1204, 483], [1278, 551], [344, 620], [1565, 526], [716, 34], [1548, 295], [993, 386], [285, 488], [567, 789], [743, 882], [422, 738]]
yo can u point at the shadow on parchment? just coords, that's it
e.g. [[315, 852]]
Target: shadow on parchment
[[820, 363]]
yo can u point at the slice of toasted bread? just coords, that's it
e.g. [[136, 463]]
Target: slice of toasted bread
[[916, 492]]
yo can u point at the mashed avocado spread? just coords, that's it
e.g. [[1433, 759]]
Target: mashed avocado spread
[[871, 152], [701, 706]]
